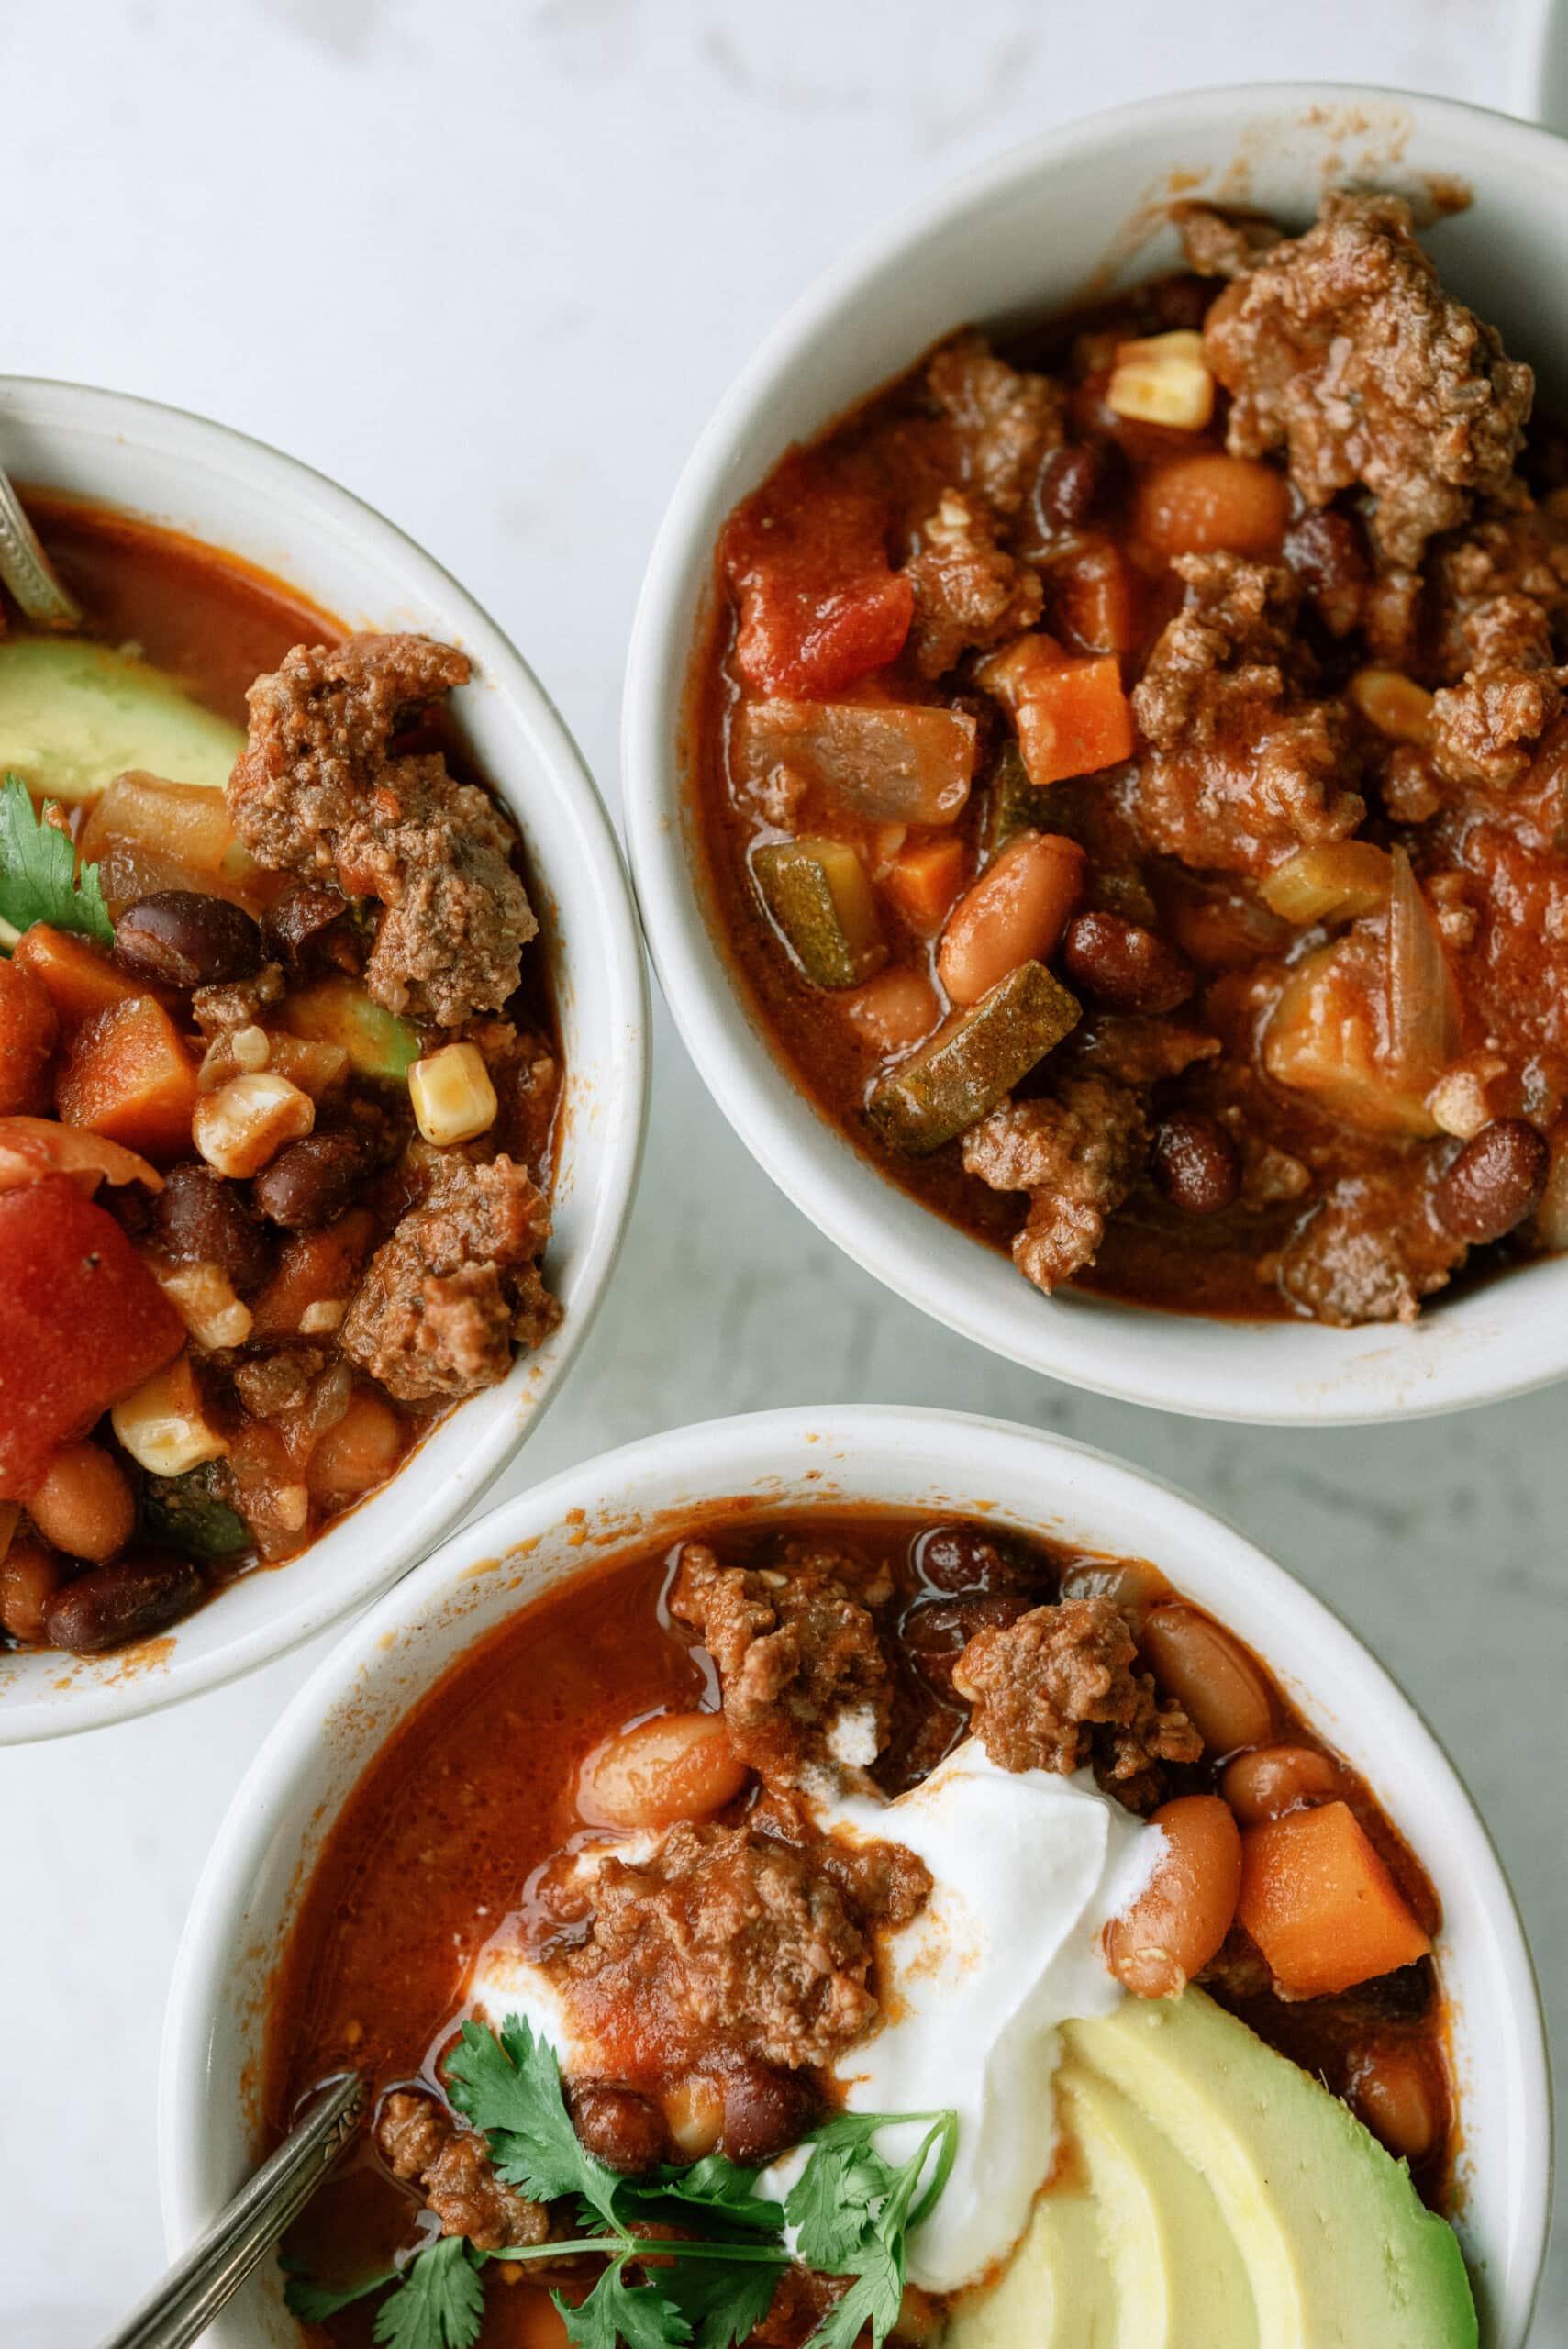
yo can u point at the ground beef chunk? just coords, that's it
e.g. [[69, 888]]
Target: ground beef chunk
[[420, 2142], [1486, 730], [238, 1003], [444, 1298], [1077, 1153], [270, 1385], [1501, 595], [1245, 768], [1004, 422], [969, 591], [1133, 1048], [1370, 1251], [1057, 1689], [319, 791], [1342, 347], [724, 1932], [805, 1679], [1224, 244]]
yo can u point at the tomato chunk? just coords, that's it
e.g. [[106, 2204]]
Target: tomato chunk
[[820, 605], [128, 1075], [79, 976], [1320, 1904], [82, 1322], [33, 1146]]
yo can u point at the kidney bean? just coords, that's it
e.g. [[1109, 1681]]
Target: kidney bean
[[84, 1503], [1273, 1779], [1179, 1920], [1495, 1181], [1195, 1164], [936, 1632], [311, 1181], [623, 2130], [199, 1218], [186, 940], [764, 2111], [29, 1576], [308, 928], [1326, 552], [127, 1600], [956, 1560], [1211, 1676], [1071, 480], [1127, 966]]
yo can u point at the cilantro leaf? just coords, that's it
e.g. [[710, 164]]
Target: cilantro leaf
[[714, 2185], [640, 2315], [508, 2083], [874, 2298], [832, 2202], [439, 2304], [39, 881], [721, 2305], [312, 2302]]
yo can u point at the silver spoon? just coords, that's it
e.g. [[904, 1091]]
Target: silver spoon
[[182, 2307], [27, 571]]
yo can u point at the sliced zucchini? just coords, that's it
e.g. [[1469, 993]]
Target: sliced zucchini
[[185, 1513], [818, 893], [339, 1011], [968, 1065], [1012, 802]]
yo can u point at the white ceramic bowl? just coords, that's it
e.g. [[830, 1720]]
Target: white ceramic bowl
[[779, 1460], [249, 500], [1082, 207]]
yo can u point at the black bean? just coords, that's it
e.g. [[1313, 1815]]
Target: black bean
[[1071, 479], [199, 1218], [1195, 1164], [308, 929], [1494, 1182], [955, 1559], [188, 940], [312, 1180], [625, 2131], [1128, 967], [764, 2111], [125, 1601]]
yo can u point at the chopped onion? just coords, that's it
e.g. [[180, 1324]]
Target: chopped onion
[[1423, 1011]]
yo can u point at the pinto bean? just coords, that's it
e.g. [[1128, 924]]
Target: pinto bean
[[1195, 1164], [678, 1765], [127, 1600], [311, 1181], [1131, 1584], [625, 2130], [1179, 1920], [1124, 966], [188, 940], [29, 1576], [1211, 1676], [764, 2111], [1273, 1779], [694, 2111], [1391, 2088], [84, 1503], [1495, 1181], [357, 1451], [1015, 913], [199, 1218]]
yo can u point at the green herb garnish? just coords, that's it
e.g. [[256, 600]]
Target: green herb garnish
[[852, 2209], [39, 881]]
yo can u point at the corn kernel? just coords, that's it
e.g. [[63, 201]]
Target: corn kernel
[[1163, 380], [453, 1096], [161, 1425], [253, 1047], [244, 1124], [204, 1297], [1396, 705]]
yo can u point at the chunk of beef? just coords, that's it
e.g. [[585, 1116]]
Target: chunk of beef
[[969, 591], [1057, 1689], [444, 1298], [1078, 1153], [319, 792], [1224, 244], [1370, 1251], [1134, 1048], [727, 1932], [420, 2142], [805, 1679], [1501, 594], [1245, 767], [236, 1003], [1342, 347], [270, 1385], [1004, 422], [1487, 731]]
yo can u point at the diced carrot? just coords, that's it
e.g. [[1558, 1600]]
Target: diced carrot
[[33, 1147], [923, 882], [820, 605], [1094, 599], [314, 1268], [1321, 1905], [29, 1030], [1207, 501], [126, 1074], [1071, 715], [81, 979], [82, 1322]]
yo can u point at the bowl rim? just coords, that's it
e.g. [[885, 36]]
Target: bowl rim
[[497, 1426], [1085, 1339], [720, 1454]]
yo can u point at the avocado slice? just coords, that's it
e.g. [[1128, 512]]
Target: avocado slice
[[1235, 2203], [971, 1063], [818, 893], [73, 715], [340, 1011]]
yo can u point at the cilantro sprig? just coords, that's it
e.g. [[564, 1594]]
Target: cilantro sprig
[[39, 880], [851, 2211]]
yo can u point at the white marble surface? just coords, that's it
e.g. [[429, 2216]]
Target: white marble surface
[[490, 262]]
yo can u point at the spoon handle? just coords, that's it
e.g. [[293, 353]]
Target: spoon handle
[[27, 571], [182, 2307]]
